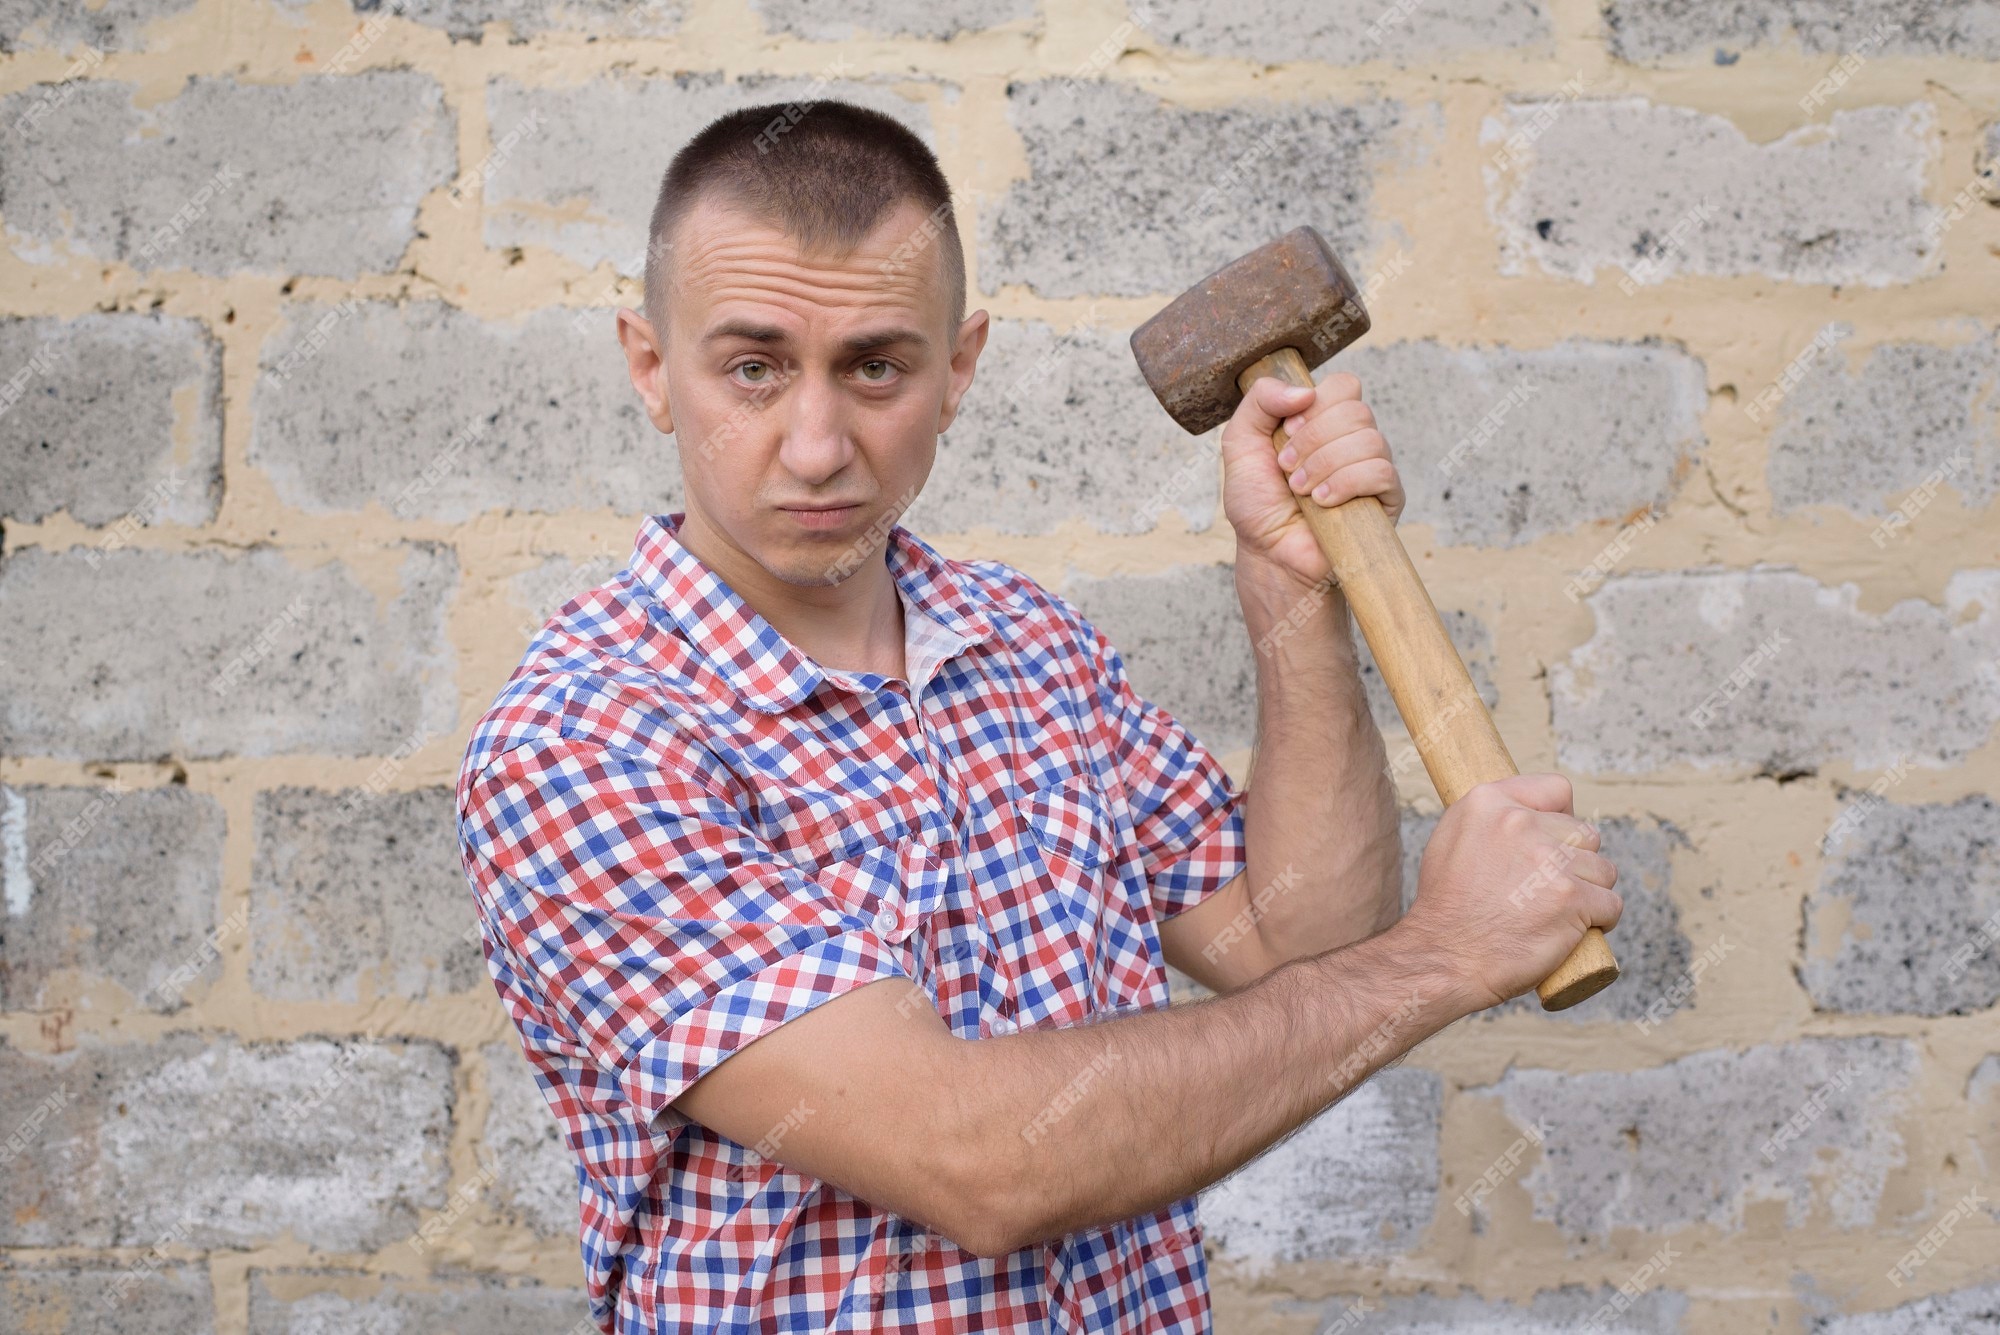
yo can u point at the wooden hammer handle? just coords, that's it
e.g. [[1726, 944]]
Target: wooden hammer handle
[[1447, 720]]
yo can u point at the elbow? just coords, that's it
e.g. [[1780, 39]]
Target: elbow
[[986, 1203]]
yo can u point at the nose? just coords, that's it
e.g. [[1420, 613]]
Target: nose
[[816, 443]]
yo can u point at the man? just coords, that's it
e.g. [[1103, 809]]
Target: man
[[830, 882]]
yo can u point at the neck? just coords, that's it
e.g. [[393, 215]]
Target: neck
[[855, 625]]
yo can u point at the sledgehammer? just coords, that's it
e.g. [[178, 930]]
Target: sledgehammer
[[1280, 311]]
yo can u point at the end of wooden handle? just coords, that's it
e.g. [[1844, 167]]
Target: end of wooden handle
[[1590, 968]]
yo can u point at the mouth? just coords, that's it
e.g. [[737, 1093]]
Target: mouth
[[821, 516]]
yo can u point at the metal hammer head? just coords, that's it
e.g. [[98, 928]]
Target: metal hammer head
[[1291, 293]]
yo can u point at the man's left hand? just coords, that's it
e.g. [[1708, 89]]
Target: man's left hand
[[1334, 453]]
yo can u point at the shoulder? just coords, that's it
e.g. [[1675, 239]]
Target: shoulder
[[600, 676], [1028, 613]]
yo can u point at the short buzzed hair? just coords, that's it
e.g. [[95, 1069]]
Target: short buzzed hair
[[825, 172]]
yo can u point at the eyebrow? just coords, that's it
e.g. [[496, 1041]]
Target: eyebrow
[[770, 334]]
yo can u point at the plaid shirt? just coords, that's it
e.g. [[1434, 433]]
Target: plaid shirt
[[682, 832]]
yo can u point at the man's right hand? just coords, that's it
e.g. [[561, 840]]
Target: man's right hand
[[1510, 882]]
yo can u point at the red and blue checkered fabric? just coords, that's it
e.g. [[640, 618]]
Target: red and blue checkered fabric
[[681, 832]]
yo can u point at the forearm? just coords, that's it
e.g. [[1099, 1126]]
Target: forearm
[[1104, 1121], [1320, 809]]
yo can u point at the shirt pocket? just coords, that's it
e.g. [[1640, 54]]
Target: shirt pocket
[[898, 889], [1064, 970]]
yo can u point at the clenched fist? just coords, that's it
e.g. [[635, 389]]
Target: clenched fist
[[1334, 453], [1510, 881]]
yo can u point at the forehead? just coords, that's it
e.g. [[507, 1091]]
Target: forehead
[[728, 260]]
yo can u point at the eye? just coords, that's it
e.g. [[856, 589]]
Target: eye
[[755, 373], [877, 370]]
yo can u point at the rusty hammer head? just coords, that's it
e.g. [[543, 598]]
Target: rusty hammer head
[[1291, 293]]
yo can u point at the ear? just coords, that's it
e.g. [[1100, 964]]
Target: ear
[[647, 365], [965, 349]]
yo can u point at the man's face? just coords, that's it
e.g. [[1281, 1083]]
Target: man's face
[[795, 382]]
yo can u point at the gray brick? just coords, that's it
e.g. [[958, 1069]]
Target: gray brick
[[534, 416], [1061, 427], [1274, 34], [1906, 914], [117, 415], [1186, 648], [113, 883], [1826, 681], [353, 888], [1128, 195], [543, 590], [1684, 1144], [597, 20], [890, 18], [110, 25], [107, 1299], [194, 1141], [1360, 1180], [319, 177], [285, 1302], [199, 655], [608, 142], [1974, 1311], [1570, 1308], [1656, 191], [522, 1144], [1647, 30], [1654, 953], [1862, 439], [1498, 446]]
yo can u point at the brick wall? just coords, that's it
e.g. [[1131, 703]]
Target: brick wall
[[1684, 338]]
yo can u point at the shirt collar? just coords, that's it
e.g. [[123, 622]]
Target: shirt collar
[[761, 665]]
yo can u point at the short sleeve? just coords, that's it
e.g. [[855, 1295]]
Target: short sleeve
[[659, 930], [1186, 816]]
